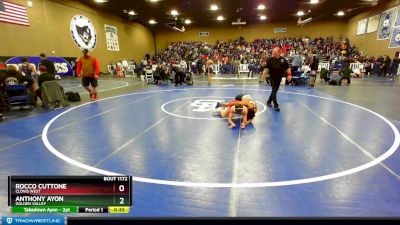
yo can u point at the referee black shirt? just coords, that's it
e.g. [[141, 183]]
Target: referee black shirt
[[50, 68], [277, 67]]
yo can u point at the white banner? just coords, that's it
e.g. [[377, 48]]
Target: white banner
[[280, 30], [362, 27], [204, 34], [111, 38], [373, 23]]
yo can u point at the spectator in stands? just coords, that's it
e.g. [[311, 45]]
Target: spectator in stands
[[89, 69], [324, 74], [395, 64], [179, 75], [209, 69], [346, 74], [306, 69], [368, 67], [158, 75], [314, 70], [51, 69], [230, 54], [385, 65], [297, 62]]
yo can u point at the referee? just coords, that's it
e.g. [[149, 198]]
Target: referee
[[277, 66]]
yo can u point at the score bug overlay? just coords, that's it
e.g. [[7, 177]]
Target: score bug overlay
[[69, 194]]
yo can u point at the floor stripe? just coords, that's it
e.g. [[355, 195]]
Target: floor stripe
[[345, 136], [79, 121], [123, 86], [234, 198], [132, 140], [384, 156]]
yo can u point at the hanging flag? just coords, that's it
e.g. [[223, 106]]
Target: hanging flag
[[2, 5], [13, 13]]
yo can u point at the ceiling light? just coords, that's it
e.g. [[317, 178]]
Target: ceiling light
[[263, 17], [100, 1], [154, 0], [314, 1], [340, 13], [300, 13], [261, 7], [188, 21], [174, 12], [220, 18], [132, 13], [214, 7], [152, 22]]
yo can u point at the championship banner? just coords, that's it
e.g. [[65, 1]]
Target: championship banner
[[385, 24], [395, 38], [112, 38]]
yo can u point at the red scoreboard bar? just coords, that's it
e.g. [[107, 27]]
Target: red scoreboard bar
[[69, 194]]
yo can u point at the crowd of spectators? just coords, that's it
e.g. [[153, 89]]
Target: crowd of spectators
[[299, 51]]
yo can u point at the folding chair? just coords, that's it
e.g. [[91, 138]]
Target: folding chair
[[53, 94], [17, 95]]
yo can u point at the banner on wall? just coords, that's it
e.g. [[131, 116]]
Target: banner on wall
[[385, 24], [373, 23], [279, 30], [397, 21], [62, 65], [204, 34], [395, 38], [111, 38], [362, 27], [83, 32]]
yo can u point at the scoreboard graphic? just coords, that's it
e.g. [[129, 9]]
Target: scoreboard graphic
[[71, 194]]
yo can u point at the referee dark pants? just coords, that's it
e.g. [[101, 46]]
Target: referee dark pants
[[275, 84]]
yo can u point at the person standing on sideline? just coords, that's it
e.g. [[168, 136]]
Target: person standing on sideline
[[209, 70], [50, 68], [346, 74], [277, 66], [314, 70], [88, 69]]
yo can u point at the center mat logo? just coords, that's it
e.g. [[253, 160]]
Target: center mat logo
[[203, 105], [83, 32]]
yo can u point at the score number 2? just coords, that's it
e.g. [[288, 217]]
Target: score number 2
[[121, 188]]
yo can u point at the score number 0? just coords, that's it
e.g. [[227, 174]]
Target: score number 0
[[121, 188]]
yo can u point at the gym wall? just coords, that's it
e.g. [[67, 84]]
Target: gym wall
[[368, 42], [49, 31], [251, 32]]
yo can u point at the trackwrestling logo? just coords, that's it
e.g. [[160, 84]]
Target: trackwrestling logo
[[33, 220], [83, 32]]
